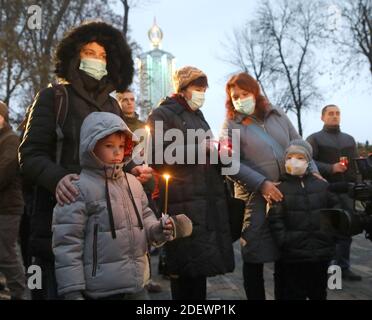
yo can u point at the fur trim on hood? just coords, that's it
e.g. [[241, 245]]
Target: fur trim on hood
[[119, 55]]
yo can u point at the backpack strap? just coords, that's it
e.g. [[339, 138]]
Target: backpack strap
[[60, 109], [22, 126]]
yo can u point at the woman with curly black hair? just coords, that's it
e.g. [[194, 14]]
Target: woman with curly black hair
[[91, 61]]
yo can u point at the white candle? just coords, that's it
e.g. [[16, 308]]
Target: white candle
[[166, 177], [147, 145]]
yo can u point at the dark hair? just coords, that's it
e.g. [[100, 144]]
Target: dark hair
[[199, 82], [122, 92], [246, 82], [119, 55], [324, 110]]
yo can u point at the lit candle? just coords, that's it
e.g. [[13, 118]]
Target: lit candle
[[147, 146], [344, 161], [166, 177]]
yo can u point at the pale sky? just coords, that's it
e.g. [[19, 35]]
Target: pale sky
[[194, 31]]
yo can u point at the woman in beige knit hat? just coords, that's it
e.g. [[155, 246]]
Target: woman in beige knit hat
[[196, 190]]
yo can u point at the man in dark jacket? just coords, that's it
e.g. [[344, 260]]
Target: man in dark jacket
[[196, 189], [92, 60], [11, 207], [334, 152], [305, 248]]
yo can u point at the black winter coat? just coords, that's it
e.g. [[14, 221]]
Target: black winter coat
[[37, 150], [11, 200], [295, 222], [196, 190], [329, 145]]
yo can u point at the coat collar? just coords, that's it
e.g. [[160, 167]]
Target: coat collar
[[110, 172], [332, 129], [91, 90], [178, 105]]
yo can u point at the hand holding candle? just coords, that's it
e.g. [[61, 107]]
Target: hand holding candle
[[344, 161], [165, 217], [177, 226]]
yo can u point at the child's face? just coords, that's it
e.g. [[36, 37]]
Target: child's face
[[111, 148], [297, 156], [296, 164]]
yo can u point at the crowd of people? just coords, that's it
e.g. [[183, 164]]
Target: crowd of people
[[91, 213]]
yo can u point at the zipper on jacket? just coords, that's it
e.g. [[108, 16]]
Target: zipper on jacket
[[307, 201], [130, 227], [95, 234]]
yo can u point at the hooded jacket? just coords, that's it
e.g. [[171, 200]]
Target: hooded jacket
[[85, 95], [88, 256]]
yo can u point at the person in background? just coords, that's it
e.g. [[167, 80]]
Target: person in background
[[333, 152], [127, 104], [11, 207]]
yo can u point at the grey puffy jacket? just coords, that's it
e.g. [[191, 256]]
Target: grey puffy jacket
[[87, 258]]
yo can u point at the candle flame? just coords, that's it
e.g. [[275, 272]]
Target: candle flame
[[166, 176]]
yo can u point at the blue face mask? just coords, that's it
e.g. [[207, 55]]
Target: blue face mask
[[245, 106], [94, 67]]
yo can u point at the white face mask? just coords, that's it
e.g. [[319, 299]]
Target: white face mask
[[296, 167], [245, 106], [197, 100], [94, 67]]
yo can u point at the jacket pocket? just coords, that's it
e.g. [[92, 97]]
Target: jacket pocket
[[95, 235]]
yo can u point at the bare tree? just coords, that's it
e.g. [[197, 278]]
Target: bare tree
[[13, 51], [280, 54], [352, 34], [127, 6], [26, 53], [251, 51]]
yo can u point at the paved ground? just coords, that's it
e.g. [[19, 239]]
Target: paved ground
[[230, 287]]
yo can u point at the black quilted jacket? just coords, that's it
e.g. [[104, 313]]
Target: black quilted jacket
[[295, 223], [196, 190]]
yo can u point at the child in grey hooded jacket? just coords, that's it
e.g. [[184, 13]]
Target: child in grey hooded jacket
[[100, 241]]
